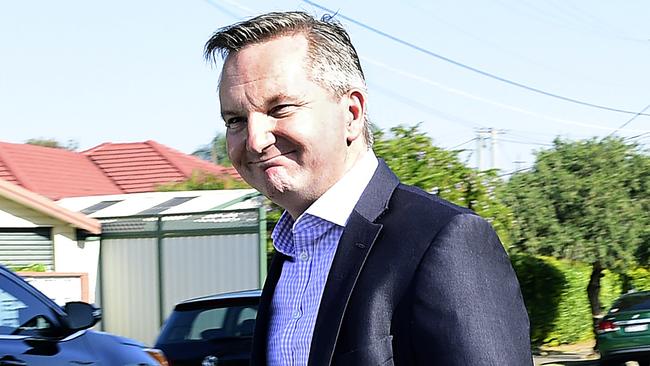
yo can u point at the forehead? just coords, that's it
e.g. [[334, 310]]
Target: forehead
[[278, 56]]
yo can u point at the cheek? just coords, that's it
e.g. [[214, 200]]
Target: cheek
[[233, 147]]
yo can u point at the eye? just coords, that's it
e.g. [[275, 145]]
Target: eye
[[235, 123], [282, 110]]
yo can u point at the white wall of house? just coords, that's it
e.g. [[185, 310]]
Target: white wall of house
[[13, 214], [69, 254]]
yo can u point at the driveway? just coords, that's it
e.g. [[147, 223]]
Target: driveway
[[565, 360], [567, 355]]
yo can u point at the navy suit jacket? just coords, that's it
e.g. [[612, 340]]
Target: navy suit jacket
[[415, 280]]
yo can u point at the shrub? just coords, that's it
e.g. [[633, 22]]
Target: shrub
[[556, 298], [638, 279], [36, 267]]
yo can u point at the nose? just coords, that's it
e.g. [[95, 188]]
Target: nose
[[260, 133]]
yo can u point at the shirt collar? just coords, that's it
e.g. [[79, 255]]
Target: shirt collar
[[337, 203], [334, 206]]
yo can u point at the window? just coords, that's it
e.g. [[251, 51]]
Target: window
[[22, 313], [9, 312], [209, 320]]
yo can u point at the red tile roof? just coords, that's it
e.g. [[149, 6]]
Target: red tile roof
[[141, 166], [53, 173], [106, 169]]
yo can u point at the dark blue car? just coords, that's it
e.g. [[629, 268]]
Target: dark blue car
[[211, 330], [35, 331]]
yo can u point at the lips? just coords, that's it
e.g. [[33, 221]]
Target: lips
[[267, 162]]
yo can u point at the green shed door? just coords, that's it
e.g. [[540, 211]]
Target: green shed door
[[26, 246]]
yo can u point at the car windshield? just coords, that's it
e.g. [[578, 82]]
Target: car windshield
[[632, 303], [209, 324]]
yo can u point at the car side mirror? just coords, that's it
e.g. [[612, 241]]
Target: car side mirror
[[81, 315]]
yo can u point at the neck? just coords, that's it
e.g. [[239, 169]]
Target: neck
[[353, 155]]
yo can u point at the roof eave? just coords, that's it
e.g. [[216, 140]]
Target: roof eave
[[46, 206]]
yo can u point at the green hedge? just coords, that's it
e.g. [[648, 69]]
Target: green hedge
[[555, 293], [611, 287], [639, 279]]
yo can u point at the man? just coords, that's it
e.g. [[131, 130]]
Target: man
[[368, 271]]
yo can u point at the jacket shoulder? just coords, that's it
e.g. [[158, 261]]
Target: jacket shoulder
[[421, 202]]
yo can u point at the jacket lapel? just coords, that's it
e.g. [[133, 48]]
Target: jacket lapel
[[260, 336], [354, 246]]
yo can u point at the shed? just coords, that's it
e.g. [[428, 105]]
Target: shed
[[159, 248]]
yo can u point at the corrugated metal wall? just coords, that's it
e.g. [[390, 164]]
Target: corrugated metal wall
[[27, 246], [130, 287], [191, 266], [204, 265]]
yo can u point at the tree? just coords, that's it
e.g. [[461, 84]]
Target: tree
[[71, 145], [411, 154], [215, 151], [587, 201], [203, 181]]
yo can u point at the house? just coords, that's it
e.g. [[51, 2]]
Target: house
[[62, 235], [36, 230]]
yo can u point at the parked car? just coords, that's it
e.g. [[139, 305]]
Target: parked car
[[211, 330], [35, 331], [624, 332]]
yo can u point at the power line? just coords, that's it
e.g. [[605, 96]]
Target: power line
[[464, 143], [630, 120], [526, 142], [529, 61], [423, 107], [516, 171], [222, 9], [486, 100], [637, 136], [467, 67]]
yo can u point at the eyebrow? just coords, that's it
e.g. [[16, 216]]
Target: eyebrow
[[276, 99]]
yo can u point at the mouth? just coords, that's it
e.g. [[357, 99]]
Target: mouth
[[270, 161]]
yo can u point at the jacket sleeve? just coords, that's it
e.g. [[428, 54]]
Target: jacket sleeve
[[467, 301]]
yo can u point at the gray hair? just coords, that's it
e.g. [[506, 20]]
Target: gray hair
[[333, 60]]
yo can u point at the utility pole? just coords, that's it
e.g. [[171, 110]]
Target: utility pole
[[483, 134], [479, 153]]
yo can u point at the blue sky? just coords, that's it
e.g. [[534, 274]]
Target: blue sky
[[125, 71]]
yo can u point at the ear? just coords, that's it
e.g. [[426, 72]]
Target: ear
[[356, 112]]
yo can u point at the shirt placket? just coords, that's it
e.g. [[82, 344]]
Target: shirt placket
[[303, 245]]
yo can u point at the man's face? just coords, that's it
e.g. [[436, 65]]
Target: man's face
[[286, 134]]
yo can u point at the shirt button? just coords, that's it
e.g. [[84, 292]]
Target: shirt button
[[296, 314], [304, 256]]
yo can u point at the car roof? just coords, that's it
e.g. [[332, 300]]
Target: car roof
[[225, 296], [636, 293]]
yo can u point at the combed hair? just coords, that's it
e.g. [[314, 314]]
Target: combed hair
[[332, 59]]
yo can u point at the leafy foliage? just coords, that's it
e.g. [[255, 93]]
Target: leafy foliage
[[215, 151], [555, 297], [585, 200], [36, 267], [612, 286], [411, 154], [202, 181], [71, 145], [638, 279]]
